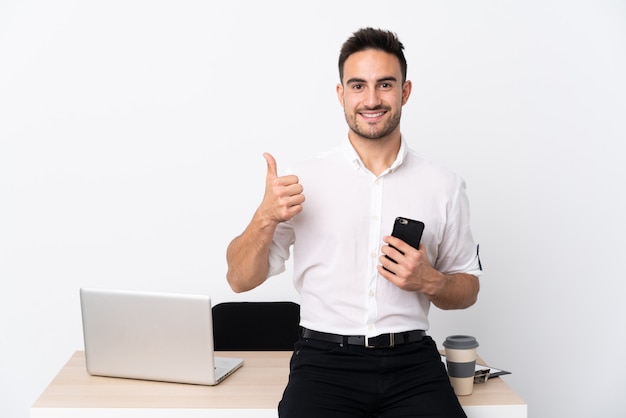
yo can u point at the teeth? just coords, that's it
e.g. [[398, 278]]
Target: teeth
[[372, 115]]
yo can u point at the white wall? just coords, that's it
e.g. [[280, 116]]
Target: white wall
[[131, 135]]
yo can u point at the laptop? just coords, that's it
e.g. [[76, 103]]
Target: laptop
[[151, 336]]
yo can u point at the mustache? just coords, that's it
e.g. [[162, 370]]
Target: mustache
[[373, 109]]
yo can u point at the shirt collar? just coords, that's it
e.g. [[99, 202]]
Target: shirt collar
[[356, 163]]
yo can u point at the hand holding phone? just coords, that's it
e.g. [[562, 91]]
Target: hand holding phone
[[409, 231]]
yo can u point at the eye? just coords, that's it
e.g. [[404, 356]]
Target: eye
[[357, 86]]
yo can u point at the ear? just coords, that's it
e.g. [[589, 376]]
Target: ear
[[340, 94], [406, 91]]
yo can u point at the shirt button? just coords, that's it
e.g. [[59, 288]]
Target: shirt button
[[372, 293]]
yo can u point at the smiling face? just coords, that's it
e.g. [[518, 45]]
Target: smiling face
[[372, 94]]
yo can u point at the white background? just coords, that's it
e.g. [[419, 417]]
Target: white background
[[131, 135]]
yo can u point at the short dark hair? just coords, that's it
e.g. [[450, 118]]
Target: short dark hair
[[370, 38]]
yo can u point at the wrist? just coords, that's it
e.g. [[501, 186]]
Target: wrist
[[436, 285]]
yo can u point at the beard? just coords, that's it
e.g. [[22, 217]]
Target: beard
[[373, 131]]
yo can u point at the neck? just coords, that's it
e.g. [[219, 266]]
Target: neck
[[376, 154]]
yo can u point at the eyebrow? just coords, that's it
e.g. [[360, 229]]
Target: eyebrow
[[380, 80]]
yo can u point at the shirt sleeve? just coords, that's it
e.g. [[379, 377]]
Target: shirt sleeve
[[284, 238], [458, 253]]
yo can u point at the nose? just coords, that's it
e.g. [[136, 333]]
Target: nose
[[372, 99]]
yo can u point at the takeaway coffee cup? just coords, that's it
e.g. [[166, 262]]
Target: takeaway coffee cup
[[461, 362]]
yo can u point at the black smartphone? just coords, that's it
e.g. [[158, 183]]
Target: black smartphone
[[409, 231]]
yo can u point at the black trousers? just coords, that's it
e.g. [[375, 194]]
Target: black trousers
[[331, 380]]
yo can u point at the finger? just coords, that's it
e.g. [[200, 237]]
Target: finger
[[393, 244], [272, 171], [387, 264], [398, 244]]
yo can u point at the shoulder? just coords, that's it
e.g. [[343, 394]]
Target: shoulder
[[333, 157], [424, 166]]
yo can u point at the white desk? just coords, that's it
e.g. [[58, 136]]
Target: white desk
[[253, 390]]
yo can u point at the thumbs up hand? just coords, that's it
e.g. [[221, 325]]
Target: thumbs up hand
[[283, 194]]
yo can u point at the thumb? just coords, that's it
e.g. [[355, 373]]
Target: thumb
[[272, 172]]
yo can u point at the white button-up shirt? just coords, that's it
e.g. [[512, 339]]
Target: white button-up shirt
[[337, 239]]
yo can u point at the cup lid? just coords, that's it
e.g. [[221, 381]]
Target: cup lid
[[460, 342]]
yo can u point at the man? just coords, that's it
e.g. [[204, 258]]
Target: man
[[363, 350]]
